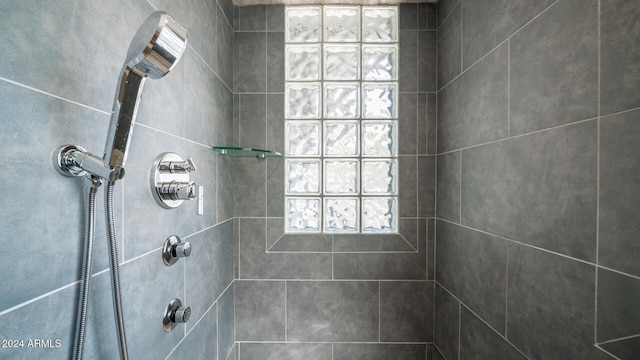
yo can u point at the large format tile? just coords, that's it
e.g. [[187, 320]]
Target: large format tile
[[20, 324], [285, 351], [332, 311], [448, 187], [480, 342], [260, 310], [252, 18], [408, 186], [250, 55], [44, 49], [618, 297], [408, 61], [344, 351], [45, 221], [256, 263], [225, 48], [474, 270], [199, 343], [554, 67], [249, 192], [406, 311], [446, 334], [449, 46], [550, 296], [275, 62], [619, 55], [474, 109], [387, 265], [426, 186], [275, 18], [427, 60], [211, 259], [407, 123], [226, 323], [208, 103], [147, 288], [487, 23], [620, 192], [539, 189], [253, 121]]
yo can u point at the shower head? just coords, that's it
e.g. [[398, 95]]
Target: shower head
[[154, 51]]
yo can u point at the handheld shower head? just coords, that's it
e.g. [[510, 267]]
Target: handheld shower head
[[154, 51]]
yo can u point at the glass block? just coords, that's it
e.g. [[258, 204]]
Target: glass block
[[379, 101], [341, 23], [341, 100], [303, 215], [341, 176], [302, 100], [341, 138], [303, 24], [380, 62], [341, 62], [379, 24], [303, 176], [379, 214], [379, 176], [379, 138], [303, 62], [341, 214], [302, 138]]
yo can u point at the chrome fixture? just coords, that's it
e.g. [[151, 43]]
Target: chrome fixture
[[153, 52], [170, 183], [173, 249], [175, 314]]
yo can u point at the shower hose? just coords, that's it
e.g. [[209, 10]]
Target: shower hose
[[92, 184]]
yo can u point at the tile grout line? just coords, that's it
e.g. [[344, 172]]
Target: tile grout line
[[379, 311], [506, 295], [497, 46], [508, 88], [482, 320], [460, 188], [285, 311], [525, 134], [459, 326], [523, 243], [461, 39], [595, 306]]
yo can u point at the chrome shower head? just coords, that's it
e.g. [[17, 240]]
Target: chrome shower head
[[154, 51]]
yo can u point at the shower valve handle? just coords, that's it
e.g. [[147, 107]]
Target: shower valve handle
[[173, 249], [175, 313], [178, 167]]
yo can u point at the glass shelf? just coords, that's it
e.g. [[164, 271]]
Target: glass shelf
[[245, 152]]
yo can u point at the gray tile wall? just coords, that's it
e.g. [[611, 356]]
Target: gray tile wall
[[56, 86], [324, 297], [538, 180]]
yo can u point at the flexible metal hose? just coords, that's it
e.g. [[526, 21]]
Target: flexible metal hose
[[91, 186], [115, 271]]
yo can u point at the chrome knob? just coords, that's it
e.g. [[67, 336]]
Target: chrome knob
[[181, 315], [174, 249], [174, 314]]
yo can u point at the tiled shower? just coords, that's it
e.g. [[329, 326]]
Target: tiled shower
[[519, 189]]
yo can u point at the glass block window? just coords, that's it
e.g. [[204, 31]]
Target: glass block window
[[341, 114]]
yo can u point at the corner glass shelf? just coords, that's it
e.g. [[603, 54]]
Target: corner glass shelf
[[245, 152]]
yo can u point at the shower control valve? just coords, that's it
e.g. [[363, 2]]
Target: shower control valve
[[174, 249], [175, 314], [171, 184]]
